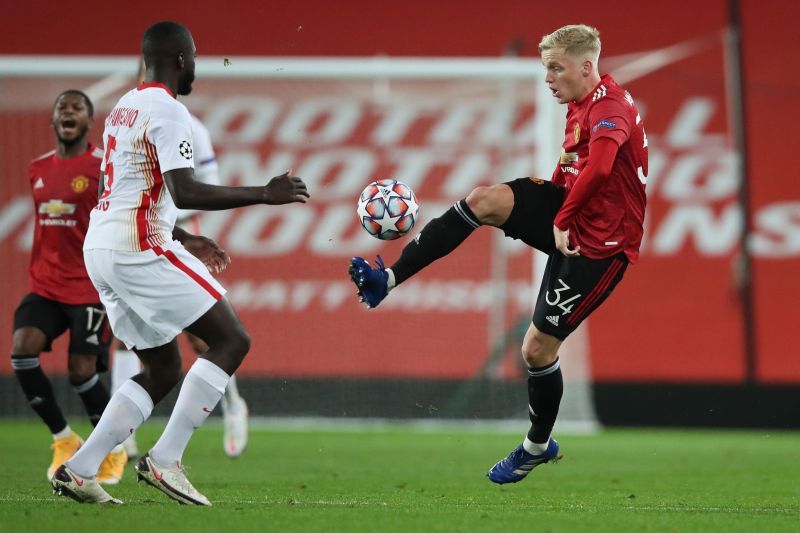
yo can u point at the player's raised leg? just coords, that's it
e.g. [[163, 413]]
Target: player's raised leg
[[489, 206]]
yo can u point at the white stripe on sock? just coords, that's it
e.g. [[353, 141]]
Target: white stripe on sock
[[545, 371], [83, 387], [464, 215]]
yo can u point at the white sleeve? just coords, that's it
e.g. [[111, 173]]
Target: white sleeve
[[170, 131], [206, 169]]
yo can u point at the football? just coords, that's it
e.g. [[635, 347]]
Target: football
[[387, 209]]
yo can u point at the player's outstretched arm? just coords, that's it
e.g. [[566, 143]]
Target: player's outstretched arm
[[187, 193]]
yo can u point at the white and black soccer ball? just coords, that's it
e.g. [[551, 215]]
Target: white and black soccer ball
[[387, 209]]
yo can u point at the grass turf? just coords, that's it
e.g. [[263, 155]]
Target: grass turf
[[401, 479]]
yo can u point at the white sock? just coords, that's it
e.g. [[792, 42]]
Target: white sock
[[202, 388], [63, 434], [534, 448], [390, 282], [127, 409], [126, 365]]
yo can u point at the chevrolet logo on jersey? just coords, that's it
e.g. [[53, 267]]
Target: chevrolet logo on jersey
[[569, 157], [56, 208]]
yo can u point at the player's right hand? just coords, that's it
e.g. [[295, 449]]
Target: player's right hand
[[562, 242], [285, 189], [209, 252]]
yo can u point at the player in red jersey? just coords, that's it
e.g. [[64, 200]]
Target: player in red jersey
[[64, 183], [588, 219]]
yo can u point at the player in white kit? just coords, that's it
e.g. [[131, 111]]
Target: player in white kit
[[126, 363], [151, 285]]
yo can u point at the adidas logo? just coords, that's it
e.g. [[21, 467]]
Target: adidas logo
[[39, 183], [552, 319], [599, 93], [92, 339]]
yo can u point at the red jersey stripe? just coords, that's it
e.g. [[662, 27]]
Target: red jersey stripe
[[144, 201], [191, 273], [588, 303], [599, 289], [146, 214]]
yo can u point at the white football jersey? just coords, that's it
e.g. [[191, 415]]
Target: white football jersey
[[147, 134]]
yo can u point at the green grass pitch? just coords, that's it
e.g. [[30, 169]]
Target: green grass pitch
[[403, 479]]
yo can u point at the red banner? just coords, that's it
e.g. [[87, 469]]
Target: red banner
[[677, 316]]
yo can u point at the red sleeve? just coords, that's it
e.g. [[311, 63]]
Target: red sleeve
[[607, 118], [602, 153]]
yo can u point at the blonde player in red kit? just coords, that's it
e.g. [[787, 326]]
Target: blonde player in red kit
[[151, 285], [64, 183], [588, 219]]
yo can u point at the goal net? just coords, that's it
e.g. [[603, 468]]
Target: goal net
[[445, 345]]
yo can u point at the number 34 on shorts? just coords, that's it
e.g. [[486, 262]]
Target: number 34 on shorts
[[573, 287]]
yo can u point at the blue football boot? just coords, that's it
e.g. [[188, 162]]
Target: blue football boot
[[372, 283], [519, 463]]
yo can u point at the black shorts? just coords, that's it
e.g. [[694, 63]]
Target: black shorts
[[572, 287], [536, 203], [89, 332]]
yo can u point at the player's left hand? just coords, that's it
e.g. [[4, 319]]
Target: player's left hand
[[562, 243], [209, 252]]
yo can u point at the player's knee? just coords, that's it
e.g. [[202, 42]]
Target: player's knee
[[480, 201], [81, 369], [491, 205], [28, 341], [241, 343], [80, 376], [538, 349]]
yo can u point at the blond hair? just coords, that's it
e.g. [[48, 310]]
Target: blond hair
[[577, 40]]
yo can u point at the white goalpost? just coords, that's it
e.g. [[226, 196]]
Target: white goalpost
[[493, 95]]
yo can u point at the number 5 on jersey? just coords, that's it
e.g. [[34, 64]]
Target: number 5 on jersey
[[109, 177]]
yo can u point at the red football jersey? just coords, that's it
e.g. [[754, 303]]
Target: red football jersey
[[64, 193], [612, 218]]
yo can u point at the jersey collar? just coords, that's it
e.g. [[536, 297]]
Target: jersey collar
[[149, 84], [604, 79]]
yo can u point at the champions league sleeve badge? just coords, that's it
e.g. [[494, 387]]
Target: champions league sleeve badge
[[185, 149]]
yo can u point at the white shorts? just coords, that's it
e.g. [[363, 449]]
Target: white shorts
[[151, 296]]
